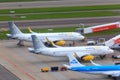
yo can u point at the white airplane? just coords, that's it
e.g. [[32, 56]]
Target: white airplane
[[56, 37], [113, 43], [109, 70], [83, 52]]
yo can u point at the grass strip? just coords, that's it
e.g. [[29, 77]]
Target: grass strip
[[61, 9], [22, 0], [59, 15]]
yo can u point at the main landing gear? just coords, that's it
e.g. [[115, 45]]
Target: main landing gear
[[102, 56], [20, 43]]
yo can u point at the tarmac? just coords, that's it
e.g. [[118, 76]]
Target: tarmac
[[26, 66], [17, 63], [6, 74], [56, 3]]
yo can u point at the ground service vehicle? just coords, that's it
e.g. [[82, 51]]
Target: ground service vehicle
[[45, 69]]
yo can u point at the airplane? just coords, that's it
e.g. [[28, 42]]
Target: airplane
[[83, 52], [112, 71], [57, 38], [113, 43]]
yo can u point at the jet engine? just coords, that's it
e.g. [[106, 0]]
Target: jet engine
[[60, 43], [87, 57]]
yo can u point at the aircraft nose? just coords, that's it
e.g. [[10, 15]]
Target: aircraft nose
[[82, 37], [111, 51]]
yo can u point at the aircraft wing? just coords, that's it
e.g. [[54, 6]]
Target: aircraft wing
[[80, 54], [51, 42], [52, 39]]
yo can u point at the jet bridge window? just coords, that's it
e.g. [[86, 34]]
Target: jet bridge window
[[80, 30]]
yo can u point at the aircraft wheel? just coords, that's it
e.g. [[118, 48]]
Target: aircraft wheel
[[102, 56], [20, 43]]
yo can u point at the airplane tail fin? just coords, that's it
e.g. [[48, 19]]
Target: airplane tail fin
[[13, 28], [73, 61], [113, 41], [37, 44]]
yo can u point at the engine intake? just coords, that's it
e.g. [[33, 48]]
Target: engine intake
[[60, 43], [87, 57]]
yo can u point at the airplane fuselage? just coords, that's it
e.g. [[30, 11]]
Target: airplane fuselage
[[83, 50], [52, 36], [110, 70], [97, 68]]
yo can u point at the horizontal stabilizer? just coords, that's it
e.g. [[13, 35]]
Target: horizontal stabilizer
[[67, 66]]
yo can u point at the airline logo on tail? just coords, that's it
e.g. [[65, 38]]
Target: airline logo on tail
[[73, 61], [117, 41]]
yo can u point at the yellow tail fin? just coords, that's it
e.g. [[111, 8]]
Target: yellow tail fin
[[30, 29]]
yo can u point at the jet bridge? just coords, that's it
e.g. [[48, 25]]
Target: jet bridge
[[98, 28]]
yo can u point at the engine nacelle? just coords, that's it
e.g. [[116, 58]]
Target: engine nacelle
[[87, 57], [60, 43]]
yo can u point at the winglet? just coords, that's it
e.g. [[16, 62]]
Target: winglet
[[51, 42], [75, 54]]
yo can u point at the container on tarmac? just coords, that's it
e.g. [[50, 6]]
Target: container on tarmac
[[63, 68], [54, 68]]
